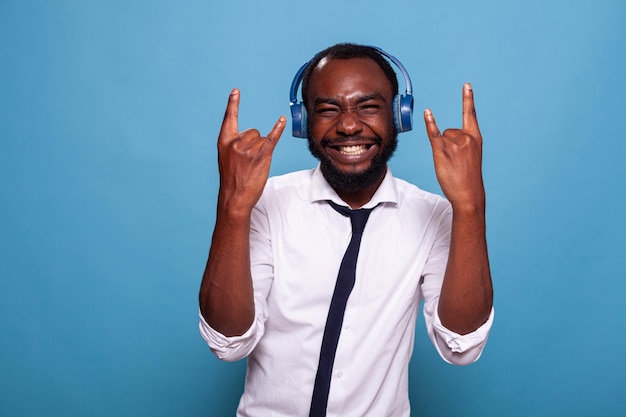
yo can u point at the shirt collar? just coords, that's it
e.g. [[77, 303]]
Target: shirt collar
[[322, 191]]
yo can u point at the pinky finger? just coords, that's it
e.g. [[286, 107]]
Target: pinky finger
[[277, 131], [431, 125]]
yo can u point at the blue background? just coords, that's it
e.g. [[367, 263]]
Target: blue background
[[109, 114]]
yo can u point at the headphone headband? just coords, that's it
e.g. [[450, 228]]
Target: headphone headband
[[402, 109]]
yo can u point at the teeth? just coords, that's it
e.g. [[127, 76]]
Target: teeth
[[353, 149]]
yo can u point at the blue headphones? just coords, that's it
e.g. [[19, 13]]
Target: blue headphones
[[402, 104]]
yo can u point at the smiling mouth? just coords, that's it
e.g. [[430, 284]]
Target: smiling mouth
[[352, 149]]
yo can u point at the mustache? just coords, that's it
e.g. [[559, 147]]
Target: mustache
[[346, 139]]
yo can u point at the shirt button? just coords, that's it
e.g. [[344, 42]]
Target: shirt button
[[339, 374], [347, 326]]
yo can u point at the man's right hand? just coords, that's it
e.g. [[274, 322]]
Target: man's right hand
[[244, 159]]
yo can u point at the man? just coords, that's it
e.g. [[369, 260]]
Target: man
[[277, 246]]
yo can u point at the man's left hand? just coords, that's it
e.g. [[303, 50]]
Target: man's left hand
[[458, 156]]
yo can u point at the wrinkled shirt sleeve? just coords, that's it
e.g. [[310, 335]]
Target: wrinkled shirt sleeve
[[452, 347], [459, 349], [233, 348]]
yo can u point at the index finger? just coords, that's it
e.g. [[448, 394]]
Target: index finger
[[469, 111], [230, 123]]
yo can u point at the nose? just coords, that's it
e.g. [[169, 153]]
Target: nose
[[348, 124]]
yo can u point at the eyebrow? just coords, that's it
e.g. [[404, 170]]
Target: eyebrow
[[359, 100]]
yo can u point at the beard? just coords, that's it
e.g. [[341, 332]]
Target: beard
[[350, 182]]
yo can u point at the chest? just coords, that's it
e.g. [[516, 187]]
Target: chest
[[307, 249]]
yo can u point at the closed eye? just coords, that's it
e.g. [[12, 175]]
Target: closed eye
[[327, 111], [369, 109]]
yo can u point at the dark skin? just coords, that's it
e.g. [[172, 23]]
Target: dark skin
[[350, 108], [226, 293], [350, 102]]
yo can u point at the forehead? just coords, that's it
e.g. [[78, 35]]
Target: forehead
[[344, 78]]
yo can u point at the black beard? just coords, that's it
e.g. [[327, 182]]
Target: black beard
[[348, 182]]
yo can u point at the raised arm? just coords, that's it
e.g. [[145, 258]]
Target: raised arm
[[226, 293], [466, 295]]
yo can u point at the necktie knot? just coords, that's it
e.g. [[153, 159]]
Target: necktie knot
[[358, 218]]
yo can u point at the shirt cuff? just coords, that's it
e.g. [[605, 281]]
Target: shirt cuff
[[228, 348], [462, 343]]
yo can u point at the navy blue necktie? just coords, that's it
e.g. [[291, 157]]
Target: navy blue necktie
[[343, 287]]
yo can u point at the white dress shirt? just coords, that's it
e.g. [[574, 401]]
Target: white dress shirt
[[297, 243]]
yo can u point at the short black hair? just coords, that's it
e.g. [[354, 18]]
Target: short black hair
[[349, 51]]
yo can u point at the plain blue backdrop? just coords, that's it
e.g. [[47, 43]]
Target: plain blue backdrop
[[109, 114]]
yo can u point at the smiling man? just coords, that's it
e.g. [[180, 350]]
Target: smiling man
[[316, 276], [351, 124]]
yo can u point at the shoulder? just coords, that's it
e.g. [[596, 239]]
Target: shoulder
[[420, 210], [411, 197], [287, 187]]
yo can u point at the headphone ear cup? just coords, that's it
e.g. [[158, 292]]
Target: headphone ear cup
[[304, 126], [403, 112], [397, 120], [298, 120]]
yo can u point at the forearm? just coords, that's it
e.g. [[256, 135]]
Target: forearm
[[466, 294], [226, 292]]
